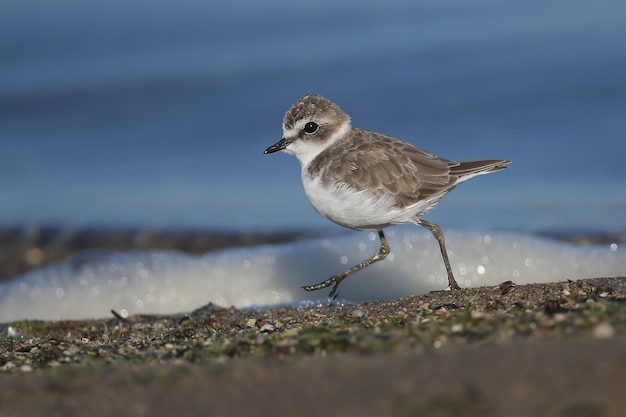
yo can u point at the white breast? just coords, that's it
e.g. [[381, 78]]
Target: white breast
[[358, 209]]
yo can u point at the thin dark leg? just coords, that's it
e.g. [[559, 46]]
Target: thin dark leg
[[335, 280], [436, 231]]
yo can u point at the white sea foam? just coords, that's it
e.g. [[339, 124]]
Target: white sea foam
[[161, 282]]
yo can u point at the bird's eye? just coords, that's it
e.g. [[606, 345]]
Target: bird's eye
[[311, 127]]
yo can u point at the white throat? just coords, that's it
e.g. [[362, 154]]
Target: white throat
[[307, 150]]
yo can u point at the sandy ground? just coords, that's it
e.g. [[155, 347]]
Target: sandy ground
[[529, 350], [548, 378]]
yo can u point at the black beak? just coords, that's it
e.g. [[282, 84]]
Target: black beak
[[278, 146]]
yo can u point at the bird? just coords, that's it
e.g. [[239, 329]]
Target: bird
[[365, 180]]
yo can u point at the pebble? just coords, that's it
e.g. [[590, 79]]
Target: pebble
[[357, 313], [13, 333], [475, 314], [456, 328], [9, 366], [267, 328], [603, 330]]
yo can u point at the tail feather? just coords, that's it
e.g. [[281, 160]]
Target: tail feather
[[468, 169]]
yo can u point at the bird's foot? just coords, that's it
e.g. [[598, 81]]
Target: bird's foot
[[450, 287], [324, 284]]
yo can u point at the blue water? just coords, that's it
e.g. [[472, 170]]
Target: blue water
[[156, 113]]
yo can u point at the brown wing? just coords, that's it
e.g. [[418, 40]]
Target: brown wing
[[384, 165]]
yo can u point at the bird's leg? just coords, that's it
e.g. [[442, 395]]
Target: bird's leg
[[436, 231], [335, 280]]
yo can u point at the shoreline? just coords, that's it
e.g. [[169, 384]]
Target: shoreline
[[23, 248], [26, 248]]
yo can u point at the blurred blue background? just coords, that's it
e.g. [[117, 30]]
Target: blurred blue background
[[156, 113]]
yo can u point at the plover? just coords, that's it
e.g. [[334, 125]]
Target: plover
[[366, 180]]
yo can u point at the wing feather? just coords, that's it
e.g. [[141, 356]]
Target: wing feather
[[388, 166], [385, 165]]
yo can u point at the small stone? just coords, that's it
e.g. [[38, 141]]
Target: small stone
[[9, 366], [251, 323], [357, 313], [13, 333], [442, 312], [456, 328], [26, 368], [506, 287], [477, 314], [267, 328], [603, 330]]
